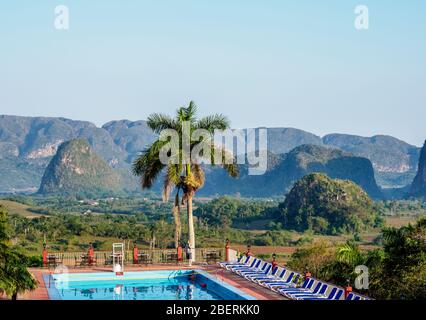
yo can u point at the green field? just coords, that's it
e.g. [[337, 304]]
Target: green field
[[19, 209]]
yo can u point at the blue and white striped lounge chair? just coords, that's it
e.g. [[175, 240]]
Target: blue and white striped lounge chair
[[289, 282], [350, 296], [316, 289], [254, 269], [335, 294], [306, 287], [259, 268], [273, 276], [353, 296], [244, 262], [320, 293], [265, 271], [251, 262], [240, 261]]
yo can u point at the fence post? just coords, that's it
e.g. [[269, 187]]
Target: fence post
[[44, 255], [348, 289], [227, 250]]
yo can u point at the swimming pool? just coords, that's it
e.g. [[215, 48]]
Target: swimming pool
[[143, 285]]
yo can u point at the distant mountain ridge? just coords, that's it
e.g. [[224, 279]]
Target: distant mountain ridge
[[394, 161], [289, 168], [28, 143]]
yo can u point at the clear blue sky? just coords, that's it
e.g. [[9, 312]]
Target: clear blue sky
[[263, 63]]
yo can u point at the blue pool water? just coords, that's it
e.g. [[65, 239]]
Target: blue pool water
[[144, 285]]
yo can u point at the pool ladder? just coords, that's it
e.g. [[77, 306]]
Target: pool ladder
[[174, 274]]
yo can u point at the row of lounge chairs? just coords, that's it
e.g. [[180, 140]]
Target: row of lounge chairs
[[290, 284]]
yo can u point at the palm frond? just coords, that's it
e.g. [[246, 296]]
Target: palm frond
[[191, 111], [148, 165], [231, 167], [348, 253], [187, 113], [213, 122], [158, 122]]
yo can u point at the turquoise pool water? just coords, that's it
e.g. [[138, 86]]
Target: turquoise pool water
[[144, 285]]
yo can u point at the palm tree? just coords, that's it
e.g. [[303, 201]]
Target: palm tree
[[182, 174], [14, 276], [349, 254]]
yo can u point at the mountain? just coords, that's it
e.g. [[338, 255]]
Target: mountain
[[130, 136], [20, 175], [394, 161], [328, 206], [282, 140], [27, 144], [77, 170], [333, 162], [39, 137], [285, 170], [418, 188]]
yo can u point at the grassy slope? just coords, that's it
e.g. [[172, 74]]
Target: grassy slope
[[19, 209]]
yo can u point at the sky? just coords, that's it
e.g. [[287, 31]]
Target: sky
[[299, 64]]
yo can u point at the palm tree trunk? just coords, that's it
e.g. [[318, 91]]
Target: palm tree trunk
[[15, 296], [176, 216], [191, 226]]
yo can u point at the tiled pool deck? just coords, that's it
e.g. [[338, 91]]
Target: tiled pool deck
[[252, 289]]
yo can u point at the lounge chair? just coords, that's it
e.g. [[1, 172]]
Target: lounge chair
[[273, 276], [254, 264], [335, 294], [353, 296], [240, 260], [258, 268], [290, 284], [350, 296], [258, 271], [306, 287], [289, 281], [316, 289], [250, 262], [284, 276], [322, 289], [264, 273]]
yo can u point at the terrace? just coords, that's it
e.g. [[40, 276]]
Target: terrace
[[165, 271]]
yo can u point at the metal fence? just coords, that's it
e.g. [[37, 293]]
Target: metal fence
[[156, 256]]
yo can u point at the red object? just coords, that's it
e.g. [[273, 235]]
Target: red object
[[179, 253], [135, 255], [274, 265], [121, 273], [203, 285], [348, 290], [91, 254], [44, 257], [307, 275], [227, 247]]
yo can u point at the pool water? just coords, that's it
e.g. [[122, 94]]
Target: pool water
[[145, 285]]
